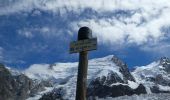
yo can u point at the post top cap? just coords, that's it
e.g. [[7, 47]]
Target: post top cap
[[84, 33]]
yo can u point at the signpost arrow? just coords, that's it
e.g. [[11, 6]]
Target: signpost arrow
[[84, 44]]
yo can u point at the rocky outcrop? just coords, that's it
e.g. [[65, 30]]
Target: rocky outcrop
[[165, 62], [18, 87], [107, 77], [103, 91], [98, 88], [113, 85], [155, 76], [156, 89], [39, 86], [123, 69], [6, 90], [55, 94], [13, 87], [162, 79]]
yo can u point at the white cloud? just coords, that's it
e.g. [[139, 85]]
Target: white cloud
[[36, 13], [12, 6], [128, 30], [142, 27], [161, 49], [45, 31], [25, 33]]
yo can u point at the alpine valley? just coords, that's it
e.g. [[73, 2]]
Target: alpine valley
[[108, 79]]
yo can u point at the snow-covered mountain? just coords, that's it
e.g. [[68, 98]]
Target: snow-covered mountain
[[108, 71], [108, 77], [155, 76]]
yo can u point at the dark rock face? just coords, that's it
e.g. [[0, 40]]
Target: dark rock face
[[140, 90], [123, 69], [13, 87], [97, 88], [104, 86], [157, 76], [109, 79], [156, 89], [6, 89], [38, 87], [55, 94], [17, 87], [165, 62], [160, 79], [22, 86]]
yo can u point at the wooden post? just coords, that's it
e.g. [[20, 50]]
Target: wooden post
[[82, 76], [84, 44]]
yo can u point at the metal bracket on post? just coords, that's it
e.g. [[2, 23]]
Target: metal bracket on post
[[84, 44]]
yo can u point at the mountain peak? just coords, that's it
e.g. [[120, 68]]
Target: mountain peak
[[3, 70], [164, 60], [117, 61], [111, 58]]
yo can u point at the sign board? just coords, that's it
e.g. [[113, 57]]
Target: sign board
[[83, 45]]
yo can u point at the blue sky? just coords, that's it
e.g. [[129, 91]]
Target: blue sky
[[39, 31]]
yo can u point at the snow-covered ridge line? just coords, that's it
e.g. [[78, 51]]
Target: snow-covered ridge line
[[108, 71], [63, 70], [65, 74], [155, 76], [131, 84]]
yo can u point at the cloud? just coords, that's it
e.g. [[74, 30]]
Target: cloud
[[161, 49], [114, 22], [25, 33], [128, 31], [12, 6], [8, 58], [141, 27], [45, 31]]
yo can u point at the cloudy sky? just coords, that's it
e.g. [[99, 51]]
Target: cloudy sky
[[39, 31]]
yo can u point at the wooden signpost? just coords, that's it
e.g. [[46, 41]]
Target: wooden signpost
[[84, 44]]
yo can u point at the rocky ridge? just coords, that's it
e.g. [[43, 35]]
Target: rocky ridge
[[107, 77]]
